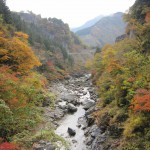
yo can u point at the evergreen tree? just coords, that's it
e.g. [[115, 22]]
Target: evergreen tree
[[5, 12]]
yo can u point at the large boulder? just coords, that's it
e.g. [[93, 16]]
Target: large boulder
[[90, 110], [88, 103], [42, 145], [70, 98], [37, 146], [71, 132], [71, 108], [58, 113]]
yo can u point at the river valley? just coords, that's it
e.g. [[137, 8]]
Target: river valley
[[72, 115]]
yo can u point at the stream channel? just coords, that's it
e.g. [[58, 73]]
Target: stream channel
[[74, 93]]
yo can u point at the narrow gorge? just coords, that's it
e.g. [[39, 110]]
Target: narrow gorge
[[72, 114]]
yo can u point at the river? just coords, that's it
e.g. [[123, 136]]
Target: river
[[76, 120]]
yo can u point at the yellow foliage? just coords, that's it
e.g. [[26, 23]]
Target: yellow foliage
[[21, 35], [16, 53], [132, 123], [88, 64], [3, 51]]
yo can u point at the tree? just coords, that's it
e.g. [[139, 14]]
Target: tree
[[141, 101], [4, 10], [16, 53]]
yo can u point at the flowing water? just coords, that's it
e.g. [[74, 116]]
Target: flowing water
[[72, 120]]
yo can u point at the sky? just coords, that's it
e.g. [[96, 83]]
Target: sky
[[73, 12]]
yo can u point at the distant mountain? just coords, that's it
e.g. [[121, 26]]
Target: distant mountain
[[88, 24], [104, 31]]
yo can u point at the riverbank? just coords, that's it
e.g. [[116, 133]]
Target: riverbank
[[73, 109]]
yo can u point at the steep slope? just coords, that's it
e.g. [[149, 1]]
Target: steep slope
[[121, 74], [88, 24], [51, 39], [104, 31]]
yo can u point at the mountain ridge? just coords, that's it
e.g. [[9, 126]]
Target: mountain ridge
[[104, 31], [87, 24]]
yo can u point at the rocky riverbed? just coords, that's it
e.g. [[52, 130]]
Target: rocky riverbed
[[72, 115]]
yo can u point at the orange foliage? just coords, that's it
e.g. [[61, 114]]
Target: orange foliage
[[16, 53], [131, 79], [114, 65], [147, 17], [8, 146], [141, 101], [8, 79]]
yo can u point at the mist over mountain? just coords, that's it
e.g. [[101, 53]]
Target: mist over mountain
[[88, 23], [104, 31]]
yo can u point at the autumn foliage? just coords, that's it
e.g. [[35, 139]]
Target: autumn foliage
[[147, 18], [141, 101], [8, 146], [15, 51], [121, 73], [21, 88]]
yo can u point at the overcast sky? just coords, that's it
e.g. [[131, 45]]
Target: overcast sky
[[73, 12]]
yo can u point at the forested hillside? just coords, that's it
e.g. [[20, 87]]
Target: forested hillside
[[21, 88], [50, 39], [31, 51], [104, 31], [121, 73]]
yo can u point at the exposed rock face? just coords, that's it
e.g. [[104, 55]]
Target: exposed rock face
[[121, 37]]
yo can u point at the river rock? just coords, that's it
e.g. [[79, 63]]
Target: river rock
[[91, 90], [62, 105], [37, 146], [71, 108], [88, 103], [96, 131], [48, 146], [82, 121], [89, 141], [67, 77], [74, 141], [78, 125], [42, 145], [70, 98], [86, 131], [71, 132], [94, 97], [90, 110], [84, 92], [58, 113], [97, 143]]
